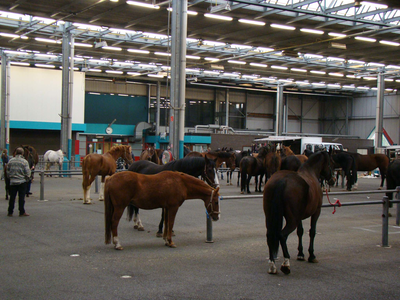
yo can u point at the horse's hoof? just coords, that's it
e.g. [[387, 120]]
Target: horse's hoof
[[312, 260], [101, 199], [242, 192], [87, 202], [380, 188], [141, 228], [119, 248], [159, 234], [135, 227], [172, 245], [301, 258], [285, 270], [273, 271]]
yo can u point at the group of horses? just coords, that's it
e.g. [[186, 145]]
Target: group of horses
[[292, 191]]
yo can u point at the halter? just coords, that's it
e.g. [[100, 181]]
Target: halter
[[206, 178], [211, 204]]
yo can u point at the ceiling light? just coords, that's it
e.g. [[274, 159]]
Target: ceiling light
[[238, 62], [374, 5], [142, 4], [231, 74], [365, 39], [309, 55], [189, 12], [19, 63], [155, 75], [336, 74], [279, 67], [298, 70], [112, 48], [389, 79], [219, 17], [162, 53], [264, 49], [46, 55], [389, 43], [133, 73], [369, 78], [241, 46], [212, 43], [193, 57], [211, 59], [139, 51], [12, 35], [211, 72], [83, 45], [334, 85], [258, 65], [350, 76], [352, 61], [318, 72], [45, 66], [252, 22], [47, 40], [318, 84], [250, 76], [331, 58], [114, 72], [311, 31], [335, 34], [286, 27], [393, 67], [373, 64], [113, 0], [95, 70], [363, 88]]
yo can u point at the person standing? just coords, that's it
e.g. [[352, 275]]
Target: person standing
[[19, 173], [4, 159]]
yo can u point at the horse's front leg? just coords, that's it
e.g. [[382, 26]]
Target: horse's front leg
[[101, 193], [313, 232], [136, 219], [300, 232], [160, 226], [118, 211], [383, 176], [86, 194], [169, 215]]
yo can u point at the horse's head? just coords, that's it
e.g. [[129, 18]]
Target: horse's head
[[287, 151], [232, 161], [328, 168], [213, 205], [210, 172], [127, 155]]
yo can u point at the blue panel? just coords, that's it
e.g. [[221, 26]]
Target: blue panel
[[189, 139], [117, 129], [43, 125]]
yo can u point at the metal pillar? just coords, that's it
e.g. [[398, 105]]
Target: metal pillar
[[379, 111], [216, 108], [70, 96], [158, 108], [227, 107], [279, 111], [3, 100], [178, 76]]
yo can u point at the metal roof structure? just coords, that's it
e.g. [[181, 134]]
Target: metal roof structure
[[329, 46]]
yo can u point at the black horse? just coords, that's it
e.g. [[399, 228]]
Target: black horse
[[347, 163], [393, 177], [239, 156], [195, 166], [253, 166], [290, 163]]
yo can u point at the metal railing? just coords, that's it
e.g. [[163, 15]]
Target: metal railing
[[385, 215]]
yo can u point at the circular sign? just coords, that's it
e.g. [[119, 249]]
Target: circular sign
[[109, 130]]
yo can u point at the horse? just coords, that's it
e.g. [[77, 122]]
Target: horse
[[273, 162], [347, 163], [194, 166], [294, 196], [287, 151], [369, 162], [238, 156], [102, 164], [393, 177], [253, 166], [52, 157], [150, 154], [218, 156], [167, 190]]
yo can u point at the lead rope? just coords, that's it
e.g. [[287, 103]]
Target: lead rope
[[210, 203], [337, 203]]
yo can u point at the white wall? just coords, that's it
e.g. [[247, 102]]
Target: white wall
[[35, 95]]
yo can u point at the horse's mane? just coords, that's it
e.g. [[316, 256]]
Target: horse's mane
[[118, 148], [221, 154], [186, 165]]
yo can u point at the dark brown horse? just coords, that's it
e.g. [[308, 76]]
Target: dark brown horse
[[167, 190], [150, 154], [294, 196], [253, 166], [104, 165], [238, 158], [393, 177], [273, 162], [218, 156]]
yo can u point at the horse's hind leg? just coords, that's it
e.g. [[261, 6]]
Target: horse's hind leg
[[289, 227], [101, 194], [114, 227], [170, 214], [160, 226], [300, 232], [313, 231], [136, 219]]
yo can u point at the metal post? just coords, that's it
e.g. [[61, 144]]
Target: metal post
[[209, 229], [279, 110], [96, 185], [158, 108], [379, 111], [3, 100], [398, 206], [227, 104], [66, 52], [41, 185], [385, 222]]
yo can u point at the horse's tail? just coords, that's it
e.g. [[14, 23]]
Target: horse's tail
[[108, 212], [130, 212], [243, 175], [274, 220]]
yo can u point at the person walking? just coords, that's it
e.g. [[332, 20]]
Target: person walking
[[19, 173]]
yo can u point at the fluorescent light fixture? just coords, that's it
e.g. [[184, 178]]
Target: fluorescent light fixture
[[45, 66], [302, 82], [334, 85], [365, 39], [389, 79], [336, 74], [264, 49], [193, 57], [309, 55], [113, 0], [93, 93], [100, 61], [112, 48], [147, 66], [162, 53], [363, 88], [258, 65], [211, 59], [318, 72], [83, 45], [155, 75], [285, 27], [114, 72], [122, 63], [349, 87], [252, 22], [189, 12], [318, 84], [142, 4], [139, 51], [373, 64], [350, 76], [393, 67], [46, 55], [286, 80], [219, 17], [313, 31], [211, 72], [389, 90], [352, 61], [279, 67], [12, 35], [335, 58], [19, 63], [389, 43], [231, 74], [241, 46], [336, 34], [192, 70], [47, 41], [369, 78], [213, 43], [298, 70], [250, 76], [238, 62], [123, 95], [95, 70]]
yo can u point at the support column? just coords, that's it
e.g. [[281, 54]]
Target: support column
[[279, 111], [178, 76], [227, 107], [379, 111], [158, 96], [3, 99]]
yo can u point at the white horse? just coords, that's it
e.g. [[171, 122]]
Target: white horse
[[53, 157]]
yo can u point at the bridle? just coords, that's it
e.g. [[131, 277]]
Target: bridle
[[206, 178], [210, 204]]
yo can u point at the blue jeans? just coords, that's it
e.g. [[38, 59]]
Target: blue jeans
[[19, 189]]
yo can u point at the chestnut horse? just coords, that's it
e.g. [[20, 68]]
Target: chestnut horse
[[167, 190], [102, 164], [295, 196], [150, 154]]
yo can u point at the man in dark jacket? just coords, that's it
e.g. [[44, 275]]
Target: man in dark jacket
[[19, 173]]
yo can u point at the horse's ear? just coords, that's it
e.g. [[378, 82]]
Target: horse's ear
[[217, 190]]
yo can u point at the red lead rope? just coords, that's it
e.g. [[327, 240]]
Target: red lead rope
[[334, 205]]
